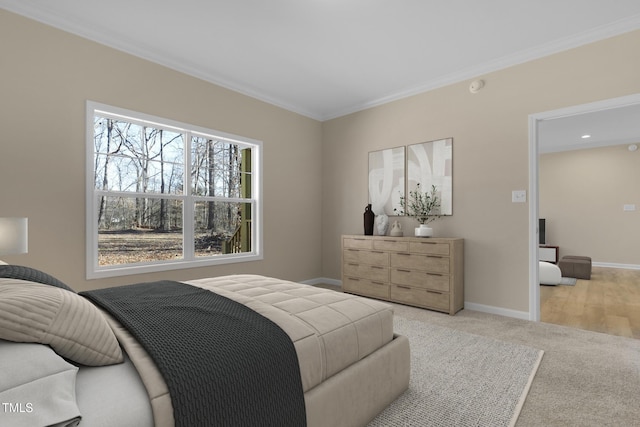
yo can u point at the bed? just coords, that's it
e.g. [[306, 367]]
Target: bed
[[349, 364], [549, 274]]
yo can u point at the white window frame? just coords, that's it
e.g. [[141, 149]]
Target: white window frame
[[94, 271]]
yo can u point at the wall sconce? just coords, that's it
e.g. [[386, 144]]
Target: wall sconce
[[13, 236]]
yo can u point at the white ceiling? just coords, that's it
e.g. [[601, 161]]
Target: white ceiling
[[609, 126], [327, 58]]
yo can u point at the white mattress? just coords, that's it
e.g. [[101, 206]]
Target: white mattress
[[112, 395]]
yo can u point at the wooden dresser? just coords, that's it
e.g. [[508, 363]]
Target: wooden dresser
[[418, 271]]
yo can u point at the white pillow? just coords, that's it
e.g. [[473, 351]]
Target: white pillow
[[37, 387]]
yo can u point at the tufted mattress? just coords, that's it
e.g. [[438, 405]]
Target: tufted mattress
[[351, 363], [330, 330]]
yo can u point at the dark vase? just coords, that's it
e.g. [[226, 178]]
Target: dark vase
[[369, 219]]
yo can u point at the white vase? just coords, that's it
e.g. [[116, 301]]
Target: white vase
[[424, 231], [382, 223]]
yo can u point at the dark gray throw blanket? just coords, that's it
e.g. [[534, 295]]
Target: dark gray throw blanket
[[32, 275], [224, 364]]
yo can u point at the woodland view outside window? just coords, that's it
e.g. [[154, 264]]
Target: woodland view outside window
[[165, 195]]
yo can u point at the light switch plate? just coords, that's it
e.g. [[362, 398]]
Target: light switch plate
[[519, 196]]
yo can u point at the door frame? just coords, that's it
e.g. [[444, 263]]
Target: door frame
[[534, 121]]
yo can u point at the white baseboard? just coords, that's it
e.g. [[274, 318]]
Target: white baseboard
[[617, 265], [325, 280], [524, 315], [469, 305]]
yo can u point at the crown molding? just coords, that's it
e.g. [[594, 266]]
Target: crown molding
[[45, 15], [622, 26]]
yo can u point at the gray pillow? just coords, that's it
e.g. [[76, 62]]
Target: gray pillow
[[69, 323]]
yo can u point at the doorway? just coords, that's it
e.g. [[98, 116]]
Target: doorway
[[536, 138]]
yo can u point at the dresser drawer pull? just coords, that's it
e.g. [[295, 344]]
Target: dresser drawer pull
[[353, 264], [404, 287], [378, 283], [353, 250], [355, 279], [402, 270], [434, 292], [403, 254], [434, 274], [356, 238], [428, 243], [434, 256], [377, 267], [377, 252]]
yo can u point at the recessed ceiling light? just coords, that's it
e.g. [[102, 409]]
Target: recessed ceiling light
[[585, 136]]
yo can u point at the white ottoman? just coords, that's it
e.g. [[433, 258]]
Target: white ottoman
[[549, 274]]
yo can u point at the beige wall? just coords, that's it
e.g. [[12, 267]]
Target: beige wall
[[490, 132], [582, 194], [47, 75]]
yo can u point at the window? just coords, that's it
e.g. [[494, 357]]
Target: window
[[166, 195]]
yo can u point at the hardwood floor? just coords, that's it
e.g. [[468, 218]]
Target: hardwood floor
[[608, 303]]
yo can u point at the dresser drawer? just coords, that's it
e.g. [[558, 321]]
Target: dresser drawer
[[429, 247], [420, 297], [364, 271], [420, 279], [422, 272], [356, 243], [366, 287], [391, 245], [431, 263], [361, 256]]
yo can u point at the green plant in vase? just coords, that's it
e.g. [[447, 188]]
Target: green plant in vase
[[422, 206]]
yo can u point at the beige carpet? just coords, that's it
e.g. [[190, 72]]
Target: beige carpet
[[585, 379], [460, 379]]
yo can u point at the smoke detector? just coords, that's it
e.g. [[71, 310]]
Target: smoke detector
[[476, 85]]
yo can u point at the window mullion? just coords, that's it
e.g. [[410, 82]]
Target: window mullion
[[188, 214]]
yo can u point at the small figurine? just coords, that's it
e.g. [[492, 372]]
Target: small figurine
[[382, 224], [396, 229]]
